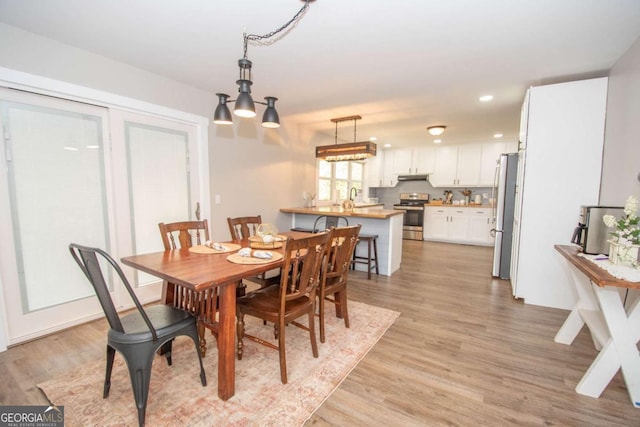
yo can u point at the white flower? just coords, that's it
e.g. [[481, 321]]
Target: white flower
[[631, 207], [609, 220]]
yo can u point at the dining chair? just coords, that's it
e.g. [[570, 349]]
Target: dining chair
[[325, 222], [292, 299], [333, 279], [136, 336], [243, 228], [184, 231], [177, 235]]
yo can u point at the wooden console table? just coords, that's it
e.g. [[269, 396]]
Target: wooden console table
[[615, 331]]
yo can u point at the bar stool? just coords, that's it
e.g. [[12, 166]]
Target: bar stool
[[371, 261]]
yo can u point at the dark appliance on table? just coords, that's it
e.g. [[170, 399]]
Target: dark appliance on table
[[503, 212], [591, 233], [413, 206]]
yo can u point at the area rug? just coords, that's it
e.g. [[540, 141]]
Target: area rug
[[176, 397]]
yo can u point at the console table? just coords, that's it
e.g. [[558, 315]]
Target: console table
[[614, 330]]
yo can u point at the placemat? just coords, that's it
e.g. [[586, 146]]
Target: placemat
[[238, 259], [202, 249]]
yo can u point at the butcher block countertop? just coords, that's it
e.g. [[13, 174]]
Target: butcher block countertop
[[339, 211], [442, 205]]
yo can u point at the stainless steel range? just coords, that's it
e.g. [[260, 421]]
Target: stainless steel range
[[413, 206]]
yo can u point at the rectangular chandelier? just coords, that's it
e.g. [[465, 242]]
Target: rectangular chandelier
[[344, 152], [348, 151]]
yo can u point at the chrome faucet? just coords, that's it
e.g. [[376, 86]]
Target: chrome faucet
[[353, 190]]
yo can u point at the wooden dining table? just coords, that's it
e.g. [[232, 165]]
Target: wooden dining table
[[199, 272]]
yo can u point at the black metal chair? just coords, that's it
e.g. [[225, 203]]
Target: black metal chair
[[139, 335], [325, 222]]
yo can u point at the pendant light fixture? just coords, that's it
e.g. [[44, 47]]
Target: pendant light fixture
[[349, 151], [245, 105]]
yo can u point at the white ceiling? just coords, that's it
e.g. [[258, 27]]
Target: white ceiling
[[402, 65]]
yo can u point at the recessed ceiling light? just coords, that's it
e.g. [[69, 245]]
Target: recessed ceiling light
[[373, 138], [387, 145], [437, 141], [497, 135], [486, 98], [69, 148]]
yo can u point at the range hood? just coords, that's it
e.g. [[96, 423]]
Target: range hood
[[413, 177]]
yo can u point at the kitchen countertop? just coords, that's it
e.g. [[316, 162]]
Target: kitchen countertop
[[430, 205], [372, 212]]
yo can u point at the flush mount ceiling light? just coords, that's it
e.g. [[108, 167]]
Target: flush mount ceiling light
[[245, 105], [436, 130], [349, 151]]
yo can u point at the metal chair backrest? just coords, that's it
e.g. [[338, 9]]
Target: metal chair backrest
[[184, 230], [329, 221], [88, 261]]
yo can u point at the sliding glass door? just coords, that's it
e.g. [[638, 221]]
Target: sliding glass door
[[74, 172]]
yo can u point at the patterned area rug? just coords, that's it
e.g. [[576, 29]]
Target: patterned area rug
[[177, 398]]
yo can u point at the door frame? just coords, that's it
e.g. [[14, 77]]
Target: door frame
[[13, 79]]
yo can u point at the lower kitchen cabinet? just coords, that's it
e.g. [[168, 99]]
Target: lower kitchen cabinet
[[458, 224], [481, 221]]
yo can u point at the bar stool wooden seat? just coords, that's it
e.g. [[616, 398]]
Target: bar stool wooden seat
[[372, 257]]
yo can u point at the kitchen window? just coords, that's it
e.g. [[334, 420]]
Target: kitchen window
[[335, 179]]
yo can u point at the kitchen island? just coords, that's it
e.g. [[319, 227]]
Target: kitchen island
[[386, 223]]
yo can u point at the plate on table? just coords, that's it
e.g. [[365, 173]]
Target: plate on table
[[205, 249], [257, 242]]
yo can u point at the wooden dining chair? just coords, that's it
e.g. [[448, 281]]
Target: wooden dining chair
[[292, 299], [184, 231], [242, 228], [333, 279], [139, 334], [177, 235]]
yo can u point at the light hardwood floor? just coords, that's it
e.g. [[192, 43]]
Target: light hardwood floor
[[462, 353]]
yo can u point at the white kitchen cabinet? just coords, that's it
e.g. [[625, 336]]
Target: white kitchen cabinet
[[488, 161], [481, 221], [389, 177], [457, 166], [463, 224], [436, 223], [402, 161], [458, 224], [373, 170], [446, 168], [424, 159], [412, 161]]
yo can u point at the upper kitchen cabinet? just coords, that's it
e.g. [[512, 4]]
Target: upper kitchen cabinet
[[490, 155], [469, 165], [379, 170], [412, 161], [457, 166], [373, 170]]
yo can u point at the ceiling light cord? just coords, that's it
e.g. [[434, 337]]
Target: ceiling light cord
[[258, 39]]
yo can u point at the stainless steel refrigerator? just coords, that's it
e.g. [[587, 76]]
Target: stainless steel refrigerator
[[505, 193]]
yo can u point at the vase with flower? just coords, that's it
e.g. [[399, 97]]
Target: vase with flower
[[624, 246]]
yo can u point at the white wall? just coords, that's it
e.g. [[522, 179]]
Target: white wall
[[621, 160], [253, 172]]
